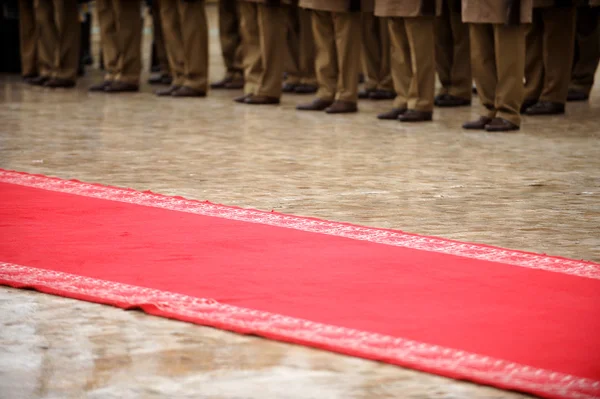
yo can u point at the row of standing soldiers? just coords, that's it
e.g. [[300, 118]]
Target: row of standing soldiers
[[525, 56]]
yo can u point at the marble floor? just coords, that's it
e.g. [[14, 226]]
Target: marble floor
[[537, 189]]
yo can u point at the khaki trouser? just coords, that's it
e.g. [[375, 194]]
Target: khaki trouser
[[230, 38], [337, 63], [587, 49], [413, 61], [550, 43], [59, 37], [262, 30], [185, 28], [121, 36], [376, 53], [453, 52], [28, 35], [300, 47], [159, 40], [498, 62]]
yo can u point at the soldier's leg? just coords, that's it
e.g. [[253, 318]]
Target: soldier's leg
[[69, 45], [483, 62], [385, 71], [252, 57], [48, 36], [588, 52], [272, 43], [420, 32], [172, 33], [559, 46], [326, 62], [461, 77], [534, 59], [347, 35], [194, 31], [28, 36], [306, 48], [401, 65], [229, 36], [159, 38], [509, 46], [108, 36], [292, 47], [371, 54], [444, 48], [129, 25]]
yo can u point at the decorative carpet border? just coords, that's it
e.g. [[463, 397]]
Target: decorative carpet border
[[421, 356], [380, 236]]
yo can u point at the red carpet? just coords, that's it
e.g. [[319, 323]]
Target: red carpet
[[510, 319]]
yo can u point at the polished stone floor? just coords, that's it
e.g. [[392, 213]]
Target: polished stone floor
[[537, 189]]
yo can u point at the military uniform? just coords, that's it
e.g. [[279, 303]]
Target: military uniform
[[300, 51], [262, 26], [28, 37], [59, 41], [185, 29], [587, 50], [497, 31], [549, 54], [159, 49], [231, 46], [453, 57], [336, 30], [411, 26], [121, 36], [376, 64]]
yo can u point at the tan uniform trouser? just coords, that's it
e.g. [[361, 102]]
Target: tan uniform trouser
[[337, 63], [300, 46], [59, 37], [498, 61], [159, 39], [186, 38], [230, 38], [453, 53], [262, 30], [587, 53], [121, 36], [550, 43], [376, 53], [413, 61], [28, 35]]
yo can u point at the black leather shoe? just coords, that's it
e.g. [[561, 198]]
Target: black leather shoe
[[56, 83], [262, 100], [364, 93], [289, 87], [317, 104], [546, 108], [382, 95], [500, 125], [39, 81], [447, 100], [342, 107], [478, 124], [242, 99], [160, 80], [576, 95], [121, 87], [166, 92], [99, 86], [412, 115], [393, 114], [185, 91], [527, 103], [304, 88]]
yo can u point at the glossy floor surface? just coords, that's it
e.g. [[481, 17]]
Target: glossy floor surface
[[537, 189]]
